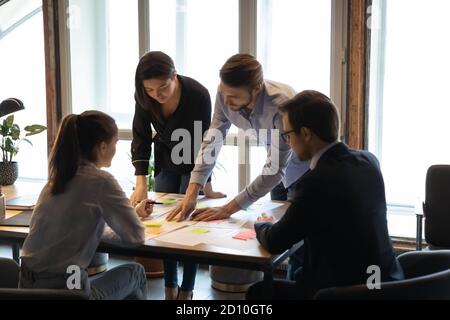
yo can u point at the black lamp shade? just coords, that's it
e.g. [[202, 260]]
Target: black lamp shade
[[10, 105]]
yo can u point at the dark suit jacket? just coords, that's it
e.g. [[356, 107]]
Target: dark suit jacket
[[339, 209]]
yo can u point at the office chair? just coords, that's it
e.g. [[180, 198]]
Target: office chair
[[436, 209], [427, 277], [9, 273], [9, 282]]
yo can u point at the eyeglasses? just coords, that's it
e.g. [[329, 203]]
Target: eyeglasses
[[285, 135]]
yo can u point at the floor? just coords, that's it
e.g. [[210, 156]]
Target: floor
[[202, 291]]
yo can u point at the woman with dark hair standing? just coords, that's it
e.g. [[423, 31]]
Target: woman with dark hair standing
[[69, 220], [170, 103]]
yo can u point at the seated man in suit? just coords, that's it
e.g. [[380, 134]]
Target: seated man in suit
[[339, 208]]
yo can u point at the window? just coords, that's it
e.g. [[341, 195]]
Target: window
[[199, 35], [22, 76], [104, 52], [408, 107], [294, 42]]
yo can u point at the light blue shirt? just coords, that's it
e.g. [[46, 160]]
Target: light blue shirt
[[283, 165]]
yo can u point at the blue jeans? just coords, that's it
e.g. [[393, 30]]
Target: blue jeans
[[297, 259], [126, 281], [170, 182]]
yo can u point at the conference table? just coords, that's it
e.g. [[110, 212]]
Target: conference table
[[249, 255]]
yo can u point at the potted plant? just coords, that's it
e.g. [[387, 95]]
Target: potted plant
[[10, 142]]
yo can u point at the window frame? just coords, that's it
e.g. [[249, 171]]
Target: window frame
[[247, 44]]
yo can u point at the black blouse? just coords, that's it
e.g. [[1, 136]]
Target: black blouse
[[194, 105]]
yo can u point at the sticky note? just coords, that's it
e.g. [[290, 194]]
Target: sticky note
[[245, 235], [200, 230], [153, 224], [153, 231], [169, 201]]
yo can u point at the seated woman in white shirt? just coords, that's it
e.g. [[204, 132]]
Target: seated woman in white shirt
[[72, 212]]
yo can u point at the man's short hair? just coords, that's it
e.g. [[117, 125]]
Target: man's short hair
[[242, 70], [315, 111]]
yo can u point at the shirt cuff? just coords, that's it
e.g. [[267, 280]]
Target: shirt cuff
[[243, 200], [198, 179], [141, 167]]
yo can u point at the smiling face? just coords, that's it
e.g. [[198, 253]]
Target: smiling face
[[160, 89], [238, 98]]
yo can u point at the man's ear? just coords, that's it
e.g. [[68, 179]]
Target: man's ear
[[256, 90], [307, 133]]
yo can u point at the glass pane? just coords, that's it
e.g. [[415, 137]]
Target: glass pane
[[178, 27], [121, 167], [13, 12], [225, 174], [409, 111], [258, 157], [294, 42], [22, 76], [104, 55]]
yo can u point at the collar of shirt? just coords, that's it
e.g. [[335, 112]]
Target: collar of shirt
[[317, 156]]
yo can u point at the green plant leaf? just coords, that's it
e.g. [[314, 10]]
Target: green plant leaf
[[15, 132], [34, 129], [4, 129], [28, 141], [10, 146], [9, 121]]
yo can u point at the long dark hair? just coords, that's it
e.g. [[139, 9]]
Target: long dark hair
[[153, 65], [77, 138]]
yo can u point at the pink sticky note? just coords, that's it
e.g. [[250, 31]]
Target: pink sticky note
[[245, 235]]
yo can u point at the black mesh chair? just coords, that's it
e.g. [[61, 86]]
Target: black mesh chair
[[427, 277], [9, 282], [436, 209]]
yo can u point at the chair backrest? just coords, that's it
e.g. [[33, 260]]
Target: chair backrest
[[427, 276], [421, 263], [437, 206], [41, 294], [9, 282], [9, 273]]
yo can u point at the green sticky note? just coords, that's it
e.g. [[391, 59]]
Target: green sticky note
[[169, 201], [200, 230]]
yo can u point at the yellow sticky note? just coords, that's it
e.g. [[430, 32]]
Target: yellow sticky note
[[153, 223], [153, 231], [200, 230]]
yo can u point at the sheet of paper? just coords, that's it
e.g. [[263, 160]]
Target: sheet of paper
[[231, 223], [224, 238], [163, 226], [261, 207], [185, 236], [235, 244], [193, 235]]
